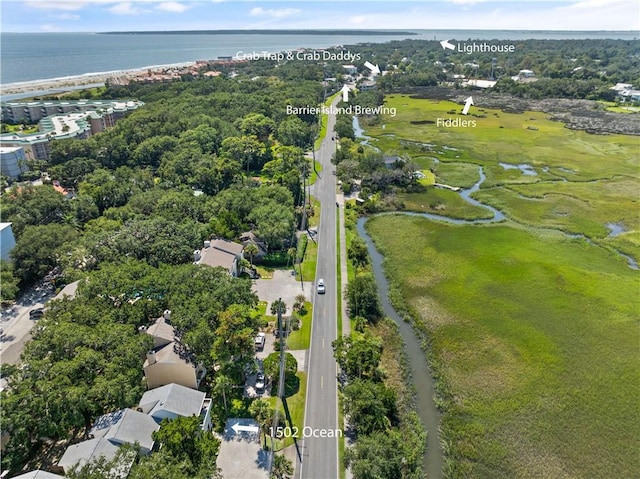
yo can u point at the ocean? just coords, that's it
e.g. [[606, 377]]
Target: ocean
[[40, 56]]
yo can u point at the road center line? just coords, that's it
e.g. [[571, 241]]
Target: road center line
[[321, 382]]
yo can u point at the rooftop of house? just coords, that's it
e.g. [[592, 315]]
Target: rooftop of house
[[126, 426], [38, 474], [172, 352], [162, 330], [87, 451], [174, 399], [222, 252]]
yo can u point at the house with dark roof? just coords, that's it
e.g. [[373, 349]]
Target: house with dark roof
[[249, 237], [393, 162]]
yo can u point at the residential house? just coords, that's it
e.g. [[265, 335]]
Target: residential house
[[525, 76], [393, 162], [169, 362], [367, 85], [38, 474], [350, 69], [173, 400], [91, 450], [249, 237], [126, 426], [221, 252]]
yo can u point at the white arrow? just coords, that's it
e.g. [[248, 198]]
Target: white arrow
[[467, 103], [445, 44], [374, 68], [237, 427], [345, 93]]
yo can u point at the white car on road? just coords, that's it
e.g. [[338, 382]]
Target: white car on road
[[321, 287]]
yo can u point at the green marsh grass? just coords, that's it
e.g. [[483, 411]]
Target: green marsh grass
[[534, 340]]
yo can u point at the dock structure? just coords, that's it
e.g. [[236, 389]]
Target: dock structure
[[447, 187]]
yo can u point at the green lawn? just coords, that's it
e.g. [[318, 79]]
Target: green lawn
[[296, 403], [323, 122], [300, 339], [534, 341], [309, 262], [315, 172]]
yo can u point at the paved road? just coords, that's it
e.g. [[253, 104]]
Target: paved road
[[320, 455]]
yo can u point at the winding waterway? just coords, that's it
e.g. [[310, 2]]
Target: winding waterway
[[421, 373]]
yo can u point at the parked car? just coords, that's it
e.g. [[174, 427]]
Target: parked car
[[260, 383], [36, 313], [321, 287], [259, 341]]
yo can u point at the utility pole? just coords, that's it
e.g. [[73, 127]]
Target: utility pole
[[276, 419]]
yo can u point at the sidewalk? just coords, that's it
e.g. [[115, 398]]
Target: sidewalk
[[344, 279]]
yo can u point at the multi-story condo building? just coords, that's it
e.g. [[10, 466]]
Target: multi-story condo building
[[60, 120]]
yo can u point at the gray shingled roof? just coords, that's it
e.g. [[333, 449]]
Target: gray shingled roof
[[174, 399], [87, 451], [126, 426], [38, 475]]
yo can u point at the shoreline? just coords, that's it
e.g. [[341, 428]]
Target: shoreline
[[61, 83]]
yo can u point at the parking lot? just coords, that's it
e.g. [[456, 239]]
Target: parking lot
[[283, 286]]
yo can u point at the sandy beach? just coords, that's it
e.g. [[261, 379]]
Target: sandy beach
[[79, 80]]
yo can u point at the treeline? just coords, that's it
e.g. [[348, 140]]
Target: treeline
[[570, 68], [389, 439], [136, 185], [85, 358], [202, 158]]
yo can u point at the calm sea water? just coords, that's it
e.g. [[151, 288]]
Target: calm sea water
[[39, 56]]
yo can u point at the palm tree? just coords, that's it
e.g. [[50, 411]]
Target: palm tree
[[251, 250], [281, 467], [244, 265], [275, 304], [263, 414], [299, 304], [222, 383], [293, 252]]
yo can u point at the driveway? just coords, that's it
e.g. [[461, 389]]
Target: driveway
[[283, 285], [240, 453]]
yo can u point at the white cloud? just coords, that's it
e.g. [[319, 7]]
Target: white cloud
[[55, 5], [126, 8], [65, 16], [174, 7], [273, 13], [465, 2]]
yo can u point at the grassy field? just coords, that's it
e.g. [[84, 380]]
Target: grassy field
[[528, 138], [534, 339], [533, 333], [443, 202], [581, 183]]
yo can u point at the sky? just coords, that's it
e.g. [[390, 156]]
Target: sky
[[137, 15]]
